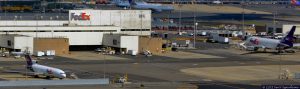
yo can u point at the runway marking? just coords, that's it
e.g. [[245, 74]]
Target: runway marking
[[207, 80], [242, 63], [135, 63]]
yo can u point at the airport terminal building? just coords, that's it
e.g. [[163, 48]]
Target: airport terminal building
[[84, 27]]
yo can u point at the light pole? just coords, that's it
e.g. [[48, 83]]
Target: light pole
[[52, 31], [274, 20], [243, 19], [243, 29], [141, 17], [26, 70], [36, 27], [180, 17], [104, 68], [195, 28]]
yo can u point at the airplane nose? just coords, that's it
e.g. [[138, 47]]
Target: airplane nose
[[64, 75]]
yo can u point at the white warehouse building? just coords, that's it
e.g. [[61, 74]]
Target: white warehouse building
[[84, 27], [287, 27], [15, 41], [283, 28]]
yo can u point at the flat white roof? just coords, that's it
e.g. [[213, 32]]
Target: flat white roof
[[57, 28], [14, 35]]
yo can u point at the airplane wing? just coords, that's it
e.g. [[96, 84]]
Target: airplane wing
[[21, 72], [157, 9], [11, 70], [297, 45]]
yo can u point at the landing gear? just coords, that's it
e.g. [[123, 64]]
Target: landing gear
[[280, 51], [265, 50], [48, 77], [36, 76], [255, 48], [290, 51]]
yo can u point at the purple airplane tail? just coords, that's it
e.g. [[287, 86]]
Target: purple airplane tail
[[130, 2], [28, 60], [289, 38], [295, 2]]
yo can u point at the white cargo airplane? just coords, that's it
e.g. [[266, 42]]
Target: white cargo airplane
[[143, 5], [217, 2], [254, 43], [47, 71]]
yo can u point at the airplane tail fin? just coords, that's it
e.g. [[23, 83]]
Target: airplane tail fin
[[130, 1], [289, 38], [28, 60], [294, 2]]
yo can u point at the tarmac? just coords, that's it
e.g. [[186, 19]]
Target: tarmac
[[233, 70], [215, 9], [210, 66], [91, 56]]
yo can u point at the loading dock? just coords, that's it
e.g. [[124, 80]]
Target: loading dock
[[60, 45], [128, 43], [17, 43]]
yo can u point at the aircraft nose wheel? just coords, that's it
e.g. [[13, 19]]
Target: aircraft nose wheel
[[36, 76], [48, 77]]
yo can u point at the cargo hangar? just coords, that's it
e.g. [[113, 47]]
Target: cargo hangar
[[84, 29]]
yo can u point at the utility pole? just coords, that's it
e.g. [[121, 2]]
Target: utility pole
[[195, 27], [104, 61], [141, 17], [5, 4], [36, 27], [26, 52], [243, 18], [180, 17], [274, 21]]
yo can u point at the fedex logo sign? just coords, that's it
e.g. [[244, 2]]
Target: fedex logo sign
[[254, 41], [80, 16]]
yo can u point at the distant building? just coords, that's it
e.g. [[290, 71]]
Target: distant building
[[282, 28], [84, 27], [222, 1], [287, 27]]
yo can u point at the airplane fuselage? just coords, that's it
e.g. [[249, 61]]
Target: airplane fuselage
[[263, 42], [144, 6], [154, 7], [48, 71], [254, 43]]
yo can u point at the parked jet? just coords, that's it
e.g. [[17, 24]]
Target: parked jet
[[254, 43], [47, 71], [144, 5], [17, 54], [217, 2], [122, 3], [295, 2]]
